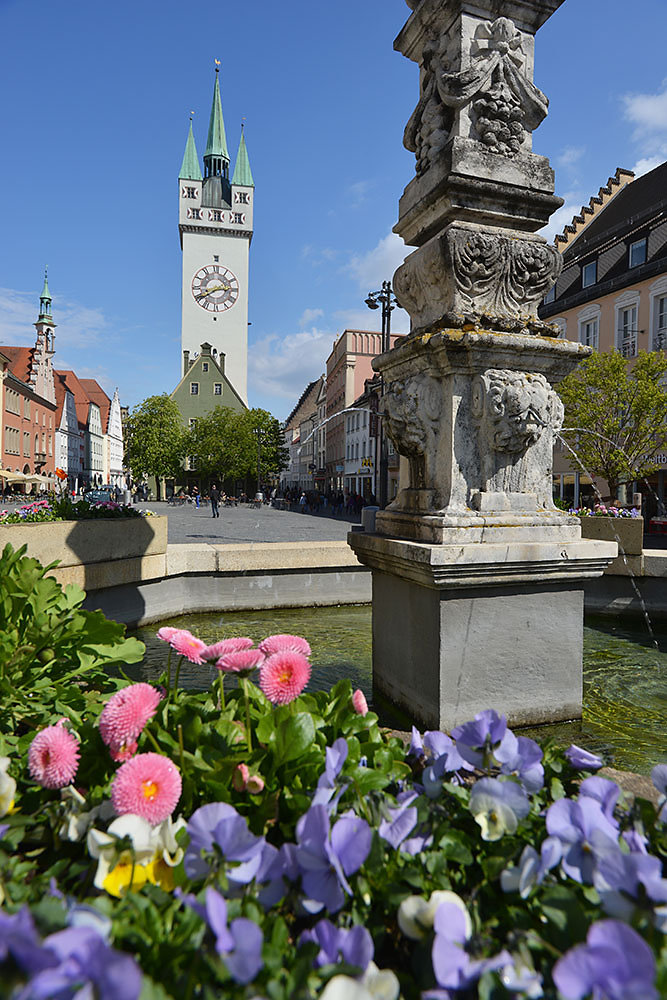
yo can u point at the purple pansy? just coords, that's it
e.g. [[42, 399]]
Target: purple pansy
[[442, 758], [326, 856], [399, 824], [477, 740], [218, 825], [623, 879], [353, 946], [581, 759], [277, 869], [453, 967], [335, 757], [603, 791], [521, 756], [586, 834], [659, 778], [73, 959], [239, 944], [532, 867], [615, 963]]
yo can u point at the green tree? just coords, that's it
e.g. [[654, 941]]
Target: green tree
[[224, 444], [155, 439], [616, 415]]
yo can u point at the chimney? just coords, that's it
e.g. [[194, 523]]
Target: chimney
[[186, 362]]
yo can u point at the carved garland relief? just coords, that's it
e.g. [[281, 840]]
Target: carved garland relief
[[505, 104]]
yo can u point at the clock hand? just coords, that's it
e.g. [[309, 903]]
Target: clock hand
[[210, 291]]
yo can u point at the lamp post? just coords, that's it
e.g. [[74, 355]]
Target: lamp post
[[386, 299], [258, 432]]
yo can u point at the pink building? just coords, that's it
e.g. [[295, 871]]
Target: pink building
[[348, 367]]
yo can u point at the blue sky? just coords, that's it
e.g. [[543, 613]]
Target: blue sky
[[96, 98]]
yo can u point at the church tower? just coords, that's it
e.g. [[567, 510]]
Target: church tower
[[40, 375], [215, 226]]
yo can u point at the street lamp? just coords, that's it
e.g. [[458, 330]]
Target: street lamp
[[386, 299], [258, 432]]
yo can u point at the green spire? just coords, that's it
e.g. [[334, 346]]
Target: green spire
[[190, 169], [216, 144], [242, 172], [45, 297]]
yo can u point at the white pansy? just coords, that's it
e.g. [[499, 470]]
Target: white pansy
[[165, 840], [382, 984], [344, 988], [416, 915], [76, 819], [7, 787], [104, 845]]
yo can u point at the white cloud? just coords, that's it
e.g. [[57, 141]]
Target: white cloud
[[78, 326], [284, 367], [647, 112], [570, 156], [355, 194], [378, 265], [319, 255], [647, 163], [309, 316]]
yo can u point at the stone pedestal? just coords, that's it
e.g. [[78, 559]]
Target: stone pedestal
[[461, 628], [477, 577]]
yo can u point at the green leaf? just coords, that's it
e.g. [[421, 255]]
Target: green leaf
[[294, 736]]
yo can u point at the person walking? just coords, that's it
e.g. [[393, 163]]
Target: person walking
[[215, 500]]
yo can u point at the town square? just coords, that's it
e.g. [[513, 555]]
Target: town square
[[333, 434]]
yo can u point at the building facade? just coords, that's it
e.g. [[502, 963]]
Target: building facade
[[612, 292], [349, 366], [215, 223], [301, 439]]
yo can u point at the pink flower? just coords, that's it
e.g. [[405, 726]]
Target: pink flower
[[359, 702], [53, 757], [255, 784], [219, 649], [124, 717], [283, 676], [240, 777], [166, 633], [282, 643], [188, 645], [149, 786], [240, 662]]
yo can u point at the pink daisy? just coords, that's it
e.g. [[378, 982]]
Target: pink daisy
[[166, 633], [188, 645], [283, 643], [149, 786], [359, 702], [124, 717], [240, 662], [283, 676], [219, 649], [53, 757]]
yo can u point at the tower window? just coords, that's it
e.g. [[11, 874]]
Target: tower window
[[217, 388], [194, 213], [194, 388], [216, 258], [216, 216], [189, 192], [241, 197], [239, 217]]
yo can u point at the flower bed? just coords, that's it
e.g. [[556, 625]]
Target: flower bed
[[625, 528], [64, 509], [258, 841]]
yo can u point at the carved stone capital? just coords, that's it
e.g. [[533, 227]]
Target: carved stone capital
[[478, 274]]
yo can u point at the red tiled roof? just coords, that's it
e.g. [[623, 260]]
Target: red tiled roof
[[20, 360], [96, 394], [80, 395]]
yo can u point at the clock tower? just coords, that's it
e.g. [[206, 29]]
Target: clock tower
[[215, 226]]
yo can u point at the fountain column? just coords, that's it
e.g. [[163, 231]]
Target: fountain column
[[477, 577]]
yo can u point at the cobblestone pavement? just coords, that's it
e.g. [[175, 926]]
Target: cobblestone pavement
[[189, 525]]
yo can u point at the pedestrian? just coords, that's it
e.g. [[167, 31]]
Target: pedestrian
[[195, 495], [215, 499], [303, 502]]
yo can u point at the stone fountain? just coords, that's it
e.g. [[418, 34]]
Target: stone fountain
[[477, 577]]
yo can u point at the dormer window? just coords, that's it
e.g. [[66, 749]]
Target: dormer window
[[589, 274], [637, 254]]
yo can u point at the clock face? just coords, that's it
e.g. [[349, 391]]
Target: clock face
[[215, 288]]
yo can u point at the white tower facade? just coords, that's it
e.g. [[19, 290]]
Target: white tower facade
[[215, 222]]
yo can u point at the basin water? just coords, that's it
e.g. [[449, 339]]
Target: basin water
[[625, 675]]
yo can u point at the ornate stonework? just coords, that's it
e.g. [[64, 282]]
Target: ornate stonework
[[411, 410]]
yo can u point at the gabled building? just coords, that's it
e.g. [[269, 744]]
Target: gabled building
[[612, 292], [69, 438], [301, 446], [112, 430], [204, 385], [91, 433]]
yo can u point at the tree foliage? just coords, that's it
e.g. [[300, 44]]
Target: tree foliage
[[224, 444], [155, 439], [616, 415]]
